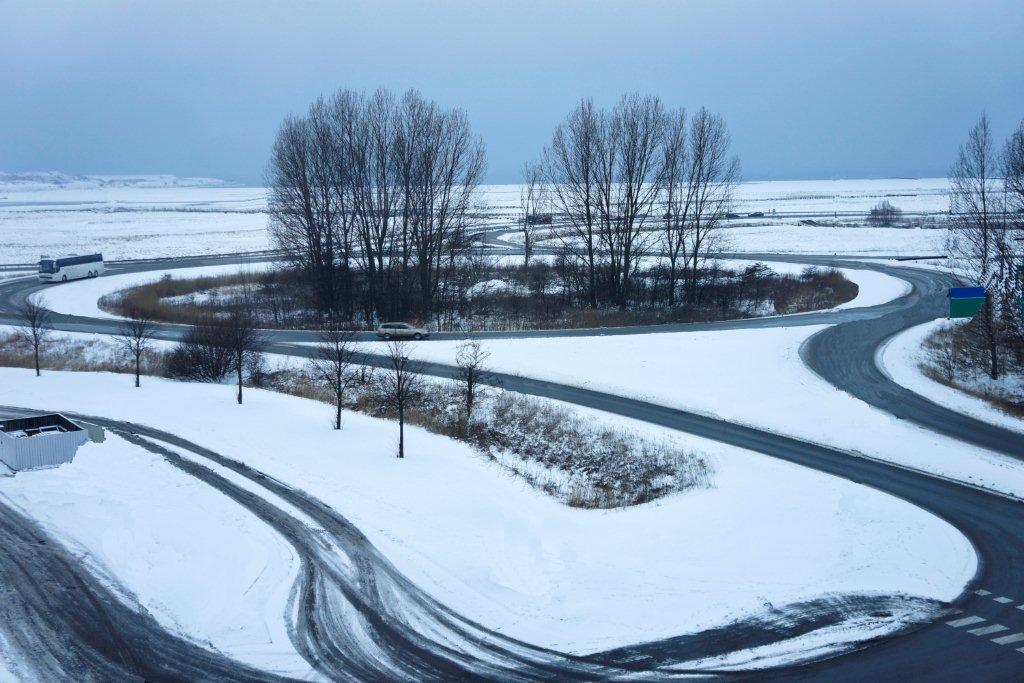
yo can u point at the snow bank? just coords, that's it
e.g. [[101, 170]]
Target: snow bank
[[200, 563], [500, 552], [901, 358]]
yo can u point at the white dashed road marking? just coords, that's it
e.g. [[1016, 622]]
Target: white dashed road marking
[[966, 621], [1003, 600], [986, 630], [1006, 640], [1020, 606], [982, 592]]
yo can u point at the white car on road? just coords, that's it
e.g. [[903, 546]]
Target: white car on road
[[401, 331]]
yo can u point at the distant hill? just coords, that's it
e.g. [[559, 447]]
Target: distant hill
[[49, 180]]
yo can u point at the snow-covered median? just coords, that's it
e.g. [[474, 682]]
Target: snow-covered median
[[81, 297], [500, 552], [201, 564]]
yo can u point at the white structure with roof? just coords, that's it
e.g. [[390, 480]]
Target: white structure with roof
[[28, 443]]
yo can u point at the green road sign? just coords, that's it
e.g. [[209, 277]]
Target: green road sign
[[965, 308]]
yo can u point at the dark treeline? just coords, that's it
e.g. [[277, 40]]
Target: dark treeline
[[369, 197]]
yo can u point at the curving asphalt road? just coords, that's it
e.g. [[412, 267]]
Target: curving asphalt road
[[844, 355]]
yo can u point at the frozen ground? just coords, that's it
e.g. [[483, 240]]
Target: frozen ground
[[901, 357], [197, 561], [165, 216], [503, 553]]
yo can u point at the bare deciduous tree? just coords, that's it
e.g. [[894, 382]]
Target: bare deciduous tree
[[710, 179], [534, 201], [1013, 170], [242, 340], [570, 164], [677, 198], [201, 355], [471, 359], [135, 337], [34, 326], [401, 384], [976, 228], [332, 366], [1012, 245]]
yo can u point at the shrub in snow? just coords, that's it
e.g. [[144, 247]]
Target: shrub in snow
[[580, 464]]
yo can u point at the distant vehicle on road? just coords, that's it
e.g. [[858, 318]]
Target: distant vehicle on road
[[732, 215], [72, 267], [756, 214], [401, 331]]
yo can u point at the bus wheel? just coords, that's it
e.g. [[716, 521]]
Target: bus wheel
[[64, 278]]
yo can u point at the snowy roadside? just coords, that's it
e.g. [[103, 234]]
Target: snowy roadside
[[502, 553], [900, 358], [754, 377], [201, 564]]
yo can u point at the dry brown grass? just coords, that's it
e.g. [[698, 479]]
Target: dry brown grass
[[149, 299], [1010, 406], [953, 370]]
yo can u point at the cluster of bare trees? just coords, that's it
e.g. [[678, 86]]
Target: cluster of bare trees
[[635, 180], [884, 214], [369, 198], [985, 242], [213, 350]]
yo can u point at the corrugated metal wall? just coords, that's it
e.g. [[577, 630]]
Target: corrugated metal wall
[[42, 450]]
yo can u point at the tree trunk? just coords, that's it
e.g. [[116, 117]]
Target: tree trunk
[[138, 369], [337, 412], [36, 353], [239, 368], [401, 431], [990, 338]]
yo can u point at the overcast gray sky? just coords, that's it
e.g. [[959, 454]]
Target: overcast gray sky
[[809, 89]]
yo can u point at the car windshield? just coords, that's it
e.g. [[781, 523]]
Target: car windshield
[[46, 266]]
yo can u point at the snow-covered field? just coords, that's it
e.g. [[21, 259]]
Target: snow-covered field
[[912, 195], [164, 216], [864, 241], [482, 542], [901, 357]]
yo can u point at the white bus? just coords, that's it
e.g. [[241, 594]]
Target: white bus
[[70, 267]]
